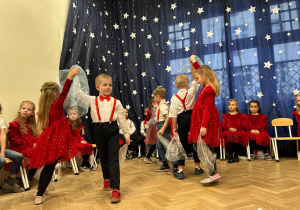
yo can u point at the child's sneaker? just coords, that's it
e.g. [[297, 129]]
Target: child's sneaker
[[115, 196], [268, 156], [211, 179], [163, 169], [159, 162], [199, 171], [179, 175], [172, 171], [84, 169], [93, 168], [13, 188], [40, 199], [106, 185], [252, 157], [148, 160]]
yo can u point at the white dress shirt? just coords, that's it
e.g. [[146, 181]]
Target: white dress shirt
[[176, 105], [162, 109], [105, 109], [144, 126], [130, 126]]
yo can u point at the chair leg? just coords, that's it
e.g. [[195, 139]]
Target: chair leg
[[276, 150], [74, 166], [224, 152], [221, 155], [54, 177], [93, 161], [248, 152], [157, 155], [139, 155], [24, 178]]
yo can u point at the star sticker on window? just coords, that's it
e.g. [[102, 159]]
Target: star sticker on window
[[132, 35], [200, 10], [280, 51], [268, 65], [252, 9], [298, 52], [209, 34], [180, 24], [275, 10], [238, 31], [193, 30], [116, 26], [125, 15], [296, 19], [168, 42], [267, 37], [186, 49], [168, 69], [173, 6], [226, 24], [259, 94], [147, 55], [220, 44], [296, 91], [288, 34]]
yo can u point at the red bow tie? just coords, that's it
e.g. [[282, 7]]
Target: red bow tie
[[104, 97]]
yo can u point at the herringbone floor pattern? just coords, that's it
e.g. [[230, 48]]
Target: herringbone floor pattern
[[245, 185]]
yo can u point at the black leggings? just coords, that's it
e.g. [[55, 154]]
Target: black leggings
[[151, 150], [85, 161], [254, 146], [233, 147], [45, 178]]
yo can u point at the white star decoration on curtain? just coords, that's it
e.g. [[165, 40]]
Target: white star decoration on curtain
[[268, 65], [259, 94]]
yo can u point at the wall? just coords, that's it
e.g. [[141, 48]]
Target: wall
[[30, 41]]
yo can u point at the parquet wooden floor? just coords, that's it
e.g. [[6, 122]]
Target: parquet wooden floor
[[246, 185]]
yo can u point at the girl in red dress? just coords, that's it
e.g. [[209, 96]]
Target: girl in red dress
[[256, 130], [233, 130], [297, 112], [84, 149], [205, 120], [23, 133], [56, 141]]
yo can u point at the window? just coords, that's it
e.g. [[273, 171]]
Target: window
[[217, 29], [286, 18], [243, 21], [179, 36]]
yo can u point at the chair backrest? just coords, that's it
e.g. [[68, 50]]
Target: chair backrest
[[282, 122]]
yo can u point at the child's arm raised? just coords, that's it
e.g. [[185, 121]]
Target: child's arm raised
[[193, 60]]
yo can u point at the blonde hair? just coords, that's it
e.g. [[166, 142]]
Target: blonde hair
[[77, 123], [160, 91], [31, 120], [46, 99], [210, 76], [99, 78], [297, 106], [234, 100], [182, 80]]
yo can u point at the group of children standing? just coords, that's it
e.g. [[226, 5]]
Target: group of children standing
[[194, 121]]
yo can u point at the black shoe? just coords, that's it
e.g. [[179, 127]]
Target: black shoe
[[230, 160], [236, 159]]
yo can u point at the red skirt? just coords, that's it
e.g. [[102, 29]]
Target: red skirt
[[84, 149], [262, 138], [235, 137]]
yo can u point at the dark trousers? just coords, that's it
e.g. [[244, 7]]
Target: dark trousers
[[134, 143], [45, 178], [184, 121], [107, 140], [151, 150], [233, 147], [254, 146], [85, 161]]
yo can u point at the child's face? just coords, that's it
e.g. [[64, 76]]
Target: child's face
[[157, 99], [232, 106], [26, 111], [105, 87], [254, 108], [73, 116], [298, 100], [200, 79], [126, 113]]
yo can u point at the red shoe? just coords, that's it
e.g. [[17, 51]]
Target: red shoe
[[115, 196], [107, 185]]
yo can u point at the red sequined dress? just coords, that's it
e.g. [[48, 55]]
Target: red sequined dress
[[257, 122], [21, 142], [297, 116], [82, 149], [236, 121], [205, 114], [56, 141]]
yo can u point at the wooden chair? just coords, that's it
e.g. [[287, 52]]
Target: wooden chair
[[282, 122]]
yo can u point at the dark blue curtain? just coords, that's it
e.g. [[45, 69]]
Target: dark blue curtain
[[253, 46]]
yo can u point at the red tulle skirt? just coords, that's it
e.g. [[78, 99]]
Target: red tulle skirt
[[55, 142], [84, 149], [262, 138], [235, 137], [151, 137]]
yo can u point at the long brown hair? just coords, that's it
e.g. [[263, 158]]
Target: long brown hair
[[76, 123], [31, 120], [210, 76], [47, 97], [297, 106]]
